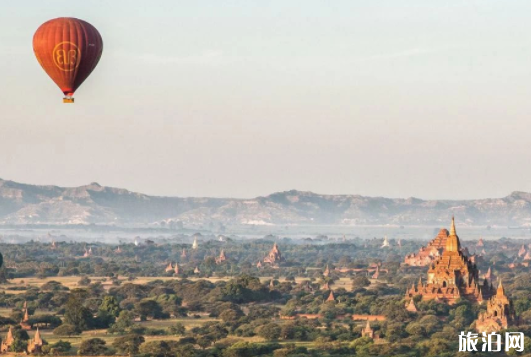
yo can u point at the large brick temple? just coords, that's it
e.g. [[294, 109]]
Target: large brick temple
[[452, 275]]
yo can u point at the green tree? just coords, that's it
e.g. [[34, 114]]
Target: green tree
[[19, 345], [129, 344], [66, 330], [177, 329], [110, 306], [148, 308], [167, 349], [271, 331], [76, 314], [123, 323], [360, 281], [93, 347], [59, 347], [108, 311]]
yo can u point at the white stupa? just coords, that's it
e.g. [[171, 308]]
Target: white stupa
[[195, 245], [385, 243]]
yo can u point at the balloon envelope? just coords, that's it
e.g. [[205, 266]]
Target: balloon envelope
[[68, 49]]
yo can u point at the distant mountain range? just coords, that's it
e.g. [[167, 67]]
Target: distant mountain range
[[32, 204]]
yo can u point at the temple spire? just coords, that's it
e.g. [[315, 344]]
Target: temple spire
[[452, 243], [501, 291], [452, 228]]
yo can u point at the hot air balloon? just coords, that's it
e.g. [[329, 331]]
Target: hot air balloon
[[68, 49]]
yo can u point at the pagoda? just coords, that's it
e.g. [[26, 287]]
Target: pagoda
[[221, 257], [7, 342], [480, 243], [411, 307], [499, 315], [376, 273], [35, 344], [24, 323], [176, 269], [385, 243], [428, 254], [452, 276], [195, 245], [88, 252], [490, 276], [274, 255], [331, 297], [367, 331], [169, 268], [183, 254], [326, 272]]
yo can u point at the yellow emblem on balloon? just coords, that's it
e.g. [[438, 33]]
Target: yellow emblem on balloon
[[66, 60]]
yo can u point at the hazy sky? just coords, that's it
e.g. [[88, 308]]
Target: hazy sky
[[244, 98]]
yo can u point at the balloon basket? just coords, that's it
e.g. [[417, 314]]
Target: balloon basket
[[68, 100]]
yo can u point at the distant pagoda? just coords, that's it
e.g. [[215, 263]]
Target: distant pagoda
[[331, 297], [274, 256], [368, 331], [490, 276], [452, 276], [169, 268], [24, 323], [376, 273], [411, 307], [221, 257], [385, 243], [88, 252], [326, 272]]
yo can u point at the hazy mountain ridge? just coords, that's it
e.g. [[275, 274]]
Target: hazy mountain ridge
[[33, 204]]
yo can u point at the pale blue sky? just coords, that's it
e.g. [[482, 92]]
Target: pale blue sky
[[244, 98]]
